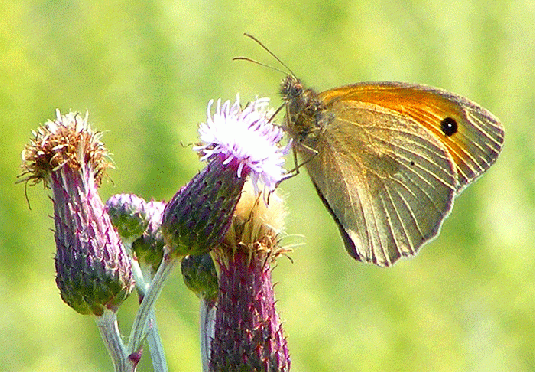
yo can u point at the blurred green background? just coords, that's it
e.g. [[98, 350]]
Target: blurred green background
[[145, 70]]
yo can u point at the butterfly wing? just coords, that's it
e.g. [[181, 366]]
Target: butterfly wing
[[385, 178], [475, 143]]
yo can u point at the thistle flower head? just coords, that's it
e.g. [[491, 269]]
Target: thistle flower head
[[93, 270], [236, 143], [247, 332], [246, 136], [69, 141], [255, 227]]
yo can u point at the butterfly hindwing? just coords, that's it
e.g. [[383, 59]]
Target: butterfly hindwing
[[379, 175]]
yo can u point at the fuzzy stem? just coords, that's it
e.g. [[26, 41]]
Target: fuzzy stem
[[145, 311], [109, 330], [157, 352]]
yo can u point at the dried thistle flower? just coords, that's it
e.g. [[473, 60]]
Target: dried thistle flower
[[247, 332], [93, 269]]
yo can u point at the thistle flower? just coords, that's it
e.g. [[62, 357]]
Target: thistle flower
[[247, 332], [236, 143], [93, 270]]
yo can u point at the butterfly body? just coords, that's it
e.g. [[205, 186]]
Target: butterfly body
[[387, 159]]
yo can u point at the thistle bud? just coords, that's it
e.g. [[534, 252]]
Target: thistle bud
[[128, 215], [200, 276], [93, 269], [149, 247], [236, 143], [139, 222]]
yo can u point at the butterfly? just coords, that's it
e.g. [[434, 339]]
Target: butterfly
[[388, 158]]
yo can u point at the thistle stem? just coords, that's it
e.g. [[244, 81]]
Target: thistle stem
[[145, 312], [157, 352], [109, 330]]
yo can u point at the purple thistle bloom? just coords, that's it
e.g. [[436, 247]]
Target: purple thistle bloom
[[246, 136], [236, 143], [93, 269]]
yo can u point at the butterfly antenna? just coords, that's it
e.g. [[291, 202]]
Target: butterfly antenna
[[270, 52], [258, 63]]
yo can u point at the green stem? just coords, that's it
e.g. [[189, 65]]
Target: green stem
[[109, 330], [146, 312], [157, 352]]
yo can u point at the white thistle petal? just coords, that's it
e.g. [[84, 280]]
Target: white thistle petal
[[246, 136]]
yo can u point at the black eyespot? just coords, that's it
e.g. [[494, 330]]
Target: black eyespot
[[413, 163], [448, 126]]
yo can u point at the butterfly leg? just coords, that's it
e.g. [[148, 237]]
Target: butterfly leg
[[295, 171]]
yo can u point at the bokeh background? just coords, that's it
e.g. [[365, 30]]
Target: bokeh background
[[145, 70]]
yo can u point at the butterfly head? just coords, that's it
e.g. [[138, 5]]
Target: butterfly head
[[291, 88], [302, 108]]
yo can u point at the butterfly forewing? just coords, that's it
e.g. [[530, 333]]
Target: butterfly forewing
[[475, 143], [379, 174]]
